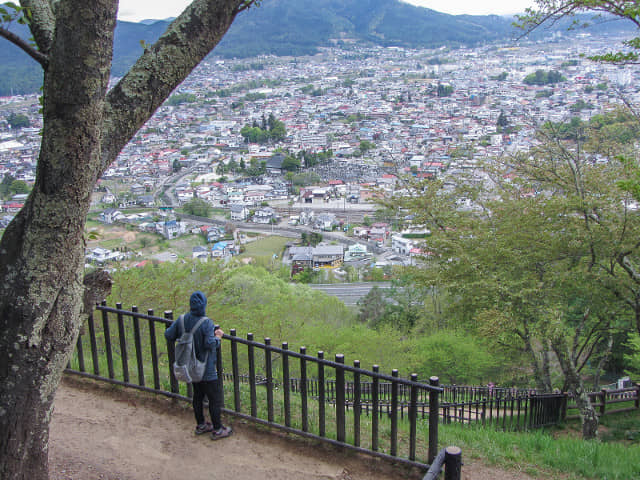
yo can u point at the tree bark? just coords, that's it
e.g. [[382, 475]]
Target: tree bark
[[42, 250], [575, 386], [41, 253], [539, 361]]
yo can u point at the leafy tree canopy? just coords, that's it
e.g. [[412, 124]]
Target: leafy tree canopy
[[550, 11], [19, 187], [544, 264], [18, 120], [198, 207], [290, 163], [273, 130], [544, 77], [181, 98]]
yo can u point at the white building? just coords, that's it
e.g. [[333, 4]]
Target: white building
[[401, 245]]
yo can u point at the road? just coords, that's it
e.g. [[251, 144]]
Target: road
[[284, 230], [349, 293]]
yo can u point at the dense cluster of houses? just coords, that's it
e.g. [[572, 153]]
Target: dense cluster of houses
[[167, 227], [378, 113], [382, 95]]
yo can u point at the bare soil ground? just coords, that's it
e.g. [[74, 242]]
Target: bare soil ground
[[101, 432]]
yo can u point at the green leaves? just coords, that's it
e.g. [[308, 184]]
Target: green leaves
[[10, 11], [251, 3], [537, 256], [550, 11]]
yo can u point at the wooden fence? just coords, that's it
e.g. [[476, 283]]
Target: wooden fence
[[605, 398], [124, 349]]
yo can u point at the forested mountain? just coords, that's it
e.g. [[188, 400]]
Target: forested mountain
[[288, 27], [20, 74], [291, 27], [294, 27]]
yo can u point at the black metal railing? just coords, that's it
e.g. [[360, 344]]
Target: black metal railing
[[524, 412], [363, 410], [502, 408], [448, 459]]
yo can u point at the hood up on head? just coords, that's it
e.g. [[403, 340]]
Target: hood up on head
[[198, 303]]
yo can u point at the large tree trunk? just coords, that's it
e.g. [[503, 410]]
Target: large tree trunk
[[41, 254], [42, 250], [539, 361], [575, 386]]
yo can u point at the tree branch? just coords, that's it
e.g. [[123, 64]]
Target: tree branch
[[626, 265], [41, 22], [28, 49], [552, 12], [162, 67]]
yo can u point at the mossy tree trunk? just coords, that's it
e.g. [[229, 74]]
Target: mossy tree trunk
[[568, 362], [42, 250]]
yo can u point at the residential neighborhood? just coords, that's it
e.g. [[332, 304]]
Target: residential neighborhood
[[373, 115]]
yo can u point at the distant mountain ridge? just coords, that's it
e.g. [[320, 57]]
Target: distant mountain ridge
[[290, 27], [299, 27]]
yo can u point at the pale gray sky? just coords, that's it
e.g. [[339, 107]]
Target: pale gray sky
[[136, 10]]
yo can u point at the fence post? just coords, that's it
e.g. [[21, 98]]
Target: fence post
[[175, 388], [107, 341], [603, 406], [340, 400], [94, 345], [124, 356], [303, 390], [452, 463], [252, 376], [434, 407], [138, 344], [394, 414], [357, 404], [286, 384], [154, 350], [413, 417], [375, 408], [321, 396], [637, 402], [235, 370], [268, 366]]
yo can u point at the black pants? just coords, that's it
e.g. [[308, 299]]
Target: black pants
[[213, 391]]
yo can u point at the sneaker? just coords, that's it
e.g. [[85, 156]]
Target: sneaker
[[221, 433], [204, 428]]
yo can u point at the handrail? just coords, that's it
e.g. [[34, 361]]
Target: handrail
[[449, 458], [329, 363], [121, 338]]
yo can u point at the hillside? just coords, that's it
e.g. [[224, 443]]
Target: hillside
[[301, 27], [297, 27], [288, 27]]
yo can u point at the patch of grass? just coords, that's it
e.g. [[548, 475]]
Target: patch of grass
[[544, 454], [266, 247], [621, 427]]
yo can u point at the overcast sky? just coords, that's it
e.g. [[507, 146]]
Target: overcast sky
[[136, 10]]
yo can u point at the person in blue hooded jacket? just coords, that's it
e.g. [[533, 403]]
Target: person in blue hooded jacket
[[206, 338]]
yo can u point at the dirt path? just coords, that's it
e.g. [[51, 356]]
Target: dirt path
[[102, 432]]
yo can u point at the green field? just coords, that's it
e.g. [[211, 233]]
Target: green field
[[146, 245], [266, 247]]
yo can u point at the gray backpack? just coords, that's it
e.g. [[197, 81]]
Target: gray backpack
[[187, 368]]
